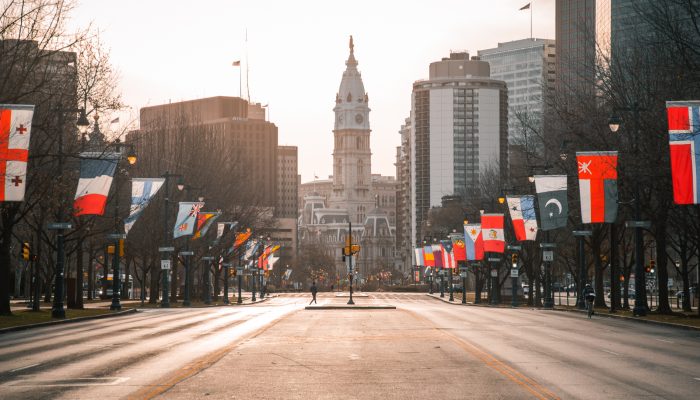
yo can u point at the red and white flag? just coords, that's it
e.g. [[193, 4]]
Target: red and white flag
[[684, 143], [597, 182], [15, 128], [96, 173], [492, 232]]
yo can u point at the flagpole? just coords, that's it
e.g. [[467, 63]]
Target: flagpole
[[531, 19]]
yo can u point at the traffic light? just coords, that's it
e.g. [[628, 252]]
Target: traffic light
[[652, 266], [647, 269], [514, 259], [25, 251], [235, 271]]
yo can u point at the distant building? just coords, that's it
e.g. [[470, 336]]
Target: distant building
[[352, 195], [287, 182], [459, 129], [527, 67], [404, 247], [222, 124]]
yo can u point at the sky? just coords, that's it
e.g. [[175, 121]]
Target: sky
[[295, 51]]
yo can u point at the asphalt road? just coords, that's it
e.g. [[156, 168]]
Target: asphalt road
[[423, 349]]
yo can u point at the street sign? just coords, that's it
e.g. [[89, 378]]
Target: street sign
[[514, 247], [206, 258], [164, 264], [514, 273], [638, 224], [116, 236], [59, 225], [494, 273], [582, 233], [463, 274], [494, 259], [166, 249], [547, 255], [548, 245], [188, 253], [239, 270]]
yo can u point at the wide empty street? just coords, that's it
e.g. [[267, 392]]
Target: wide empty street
[[424, 348]]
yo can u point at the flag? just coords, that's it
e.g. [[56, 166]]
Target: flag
[[458, 249], [115, 121], [186, 218], [473, 242], [597, 183], [525, 7], [492, 231], [447, 259], [418, 254], [241, 238], [271, 262], [428, 256], [15, 129], [204, 220], [684, 143], [551, 195], [437, 255], [142, 191], [96, 173], [522, 213], [251, 248], [237, 63]]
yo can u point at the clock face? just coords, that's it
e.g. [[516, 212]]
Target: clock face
[[359, 118], [340, 118]]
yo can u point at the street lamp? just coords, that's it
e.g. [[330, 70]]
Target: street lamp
[[188, 279], [640, 300], [167, 249]]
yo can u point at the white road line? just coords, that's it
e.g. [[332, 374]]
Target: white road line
[[663, 340], [25, 367], [697, 379], [611, 352]]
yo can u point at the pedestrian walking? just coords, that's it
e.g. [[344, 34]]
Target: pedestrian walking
[[314, 290]]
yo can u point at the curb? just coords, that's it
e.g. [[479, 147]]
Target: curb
[[644, 321], [351, 307], [66, 321]]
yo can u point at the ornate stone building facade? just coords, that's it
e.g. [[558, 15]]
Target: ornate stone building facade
[[352, 195]]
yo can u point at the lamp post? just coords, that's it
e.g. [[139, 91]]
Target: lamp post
[[186, 299], [349, 255], [57, 310], [239, 272], [188, 273], [207, 269], [167, 248], [640, 300]]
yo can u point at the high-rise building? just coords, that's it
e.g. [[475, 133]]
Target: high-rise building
[[404, 245], [582, 35], [527, 67], [287, 186], [459, 129]]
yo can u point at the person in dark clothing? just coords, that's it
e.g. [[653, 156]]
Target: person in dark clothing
[[314, 290]]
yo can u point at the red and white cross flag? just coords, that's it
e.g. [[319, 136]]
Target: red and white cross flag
[[15, 128]]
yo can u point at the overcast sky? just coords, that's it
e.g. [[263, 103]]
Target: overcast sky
[[172, 50]]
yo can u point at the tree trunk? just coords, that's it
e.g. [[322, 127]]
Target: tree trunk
[[661, 268], [5, 262], [153, 299], [91, 273], [79, 275]]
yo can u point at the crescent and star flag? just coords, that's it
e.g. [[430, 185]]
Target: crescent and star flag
[[458, 248], [492, 231], [597, 183], [15, 130], [684, 143], [204, 221], [429, 258], [522, 213], [418, 254], [437, 254], [473, 242], [142, 191], [96, 173], [186, 218], [551, 195]]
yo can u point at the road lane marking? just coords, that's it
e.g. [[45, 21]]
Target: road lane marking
[[494, 363], [71, 382], [611, 352], [664, 340], [697, 379], [25, 367]]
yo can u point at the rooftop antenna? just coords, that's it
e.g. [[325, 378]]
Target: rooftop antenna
[[247, 64]]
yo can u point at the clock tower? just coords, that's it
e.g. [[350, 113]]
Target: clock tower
[[352, 177]]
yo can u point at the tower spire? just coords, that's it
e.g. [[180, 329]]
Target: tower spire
[[351, 60]]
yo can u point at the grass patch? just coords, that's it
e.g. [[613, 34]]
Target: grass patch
[[28, 317], [194, 303]]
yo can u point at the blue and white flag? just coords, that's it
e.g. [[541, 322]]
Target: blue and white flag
[[142, 191], [186, 218], [251, 249]]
